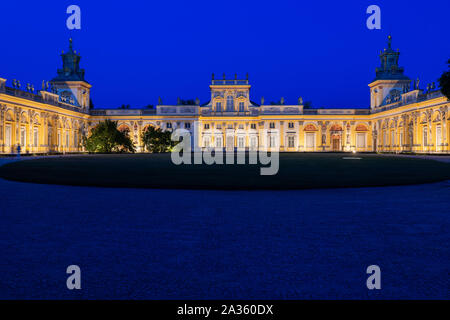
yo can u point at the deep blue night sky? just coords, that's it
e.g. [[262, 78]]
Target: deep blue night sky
[[135, 51]]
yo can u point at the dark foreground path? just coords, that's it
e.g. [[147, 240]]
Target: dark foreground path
[[172, 244]]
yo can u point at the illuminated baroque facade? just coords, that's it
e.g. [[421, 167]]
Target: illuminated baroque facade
[[402, 117]]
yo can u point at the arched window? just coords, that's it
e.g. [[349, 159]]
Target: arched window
[[230, 103]]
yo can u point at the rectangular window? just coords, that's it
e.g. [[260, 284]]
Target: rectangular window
[[241, 142], [253, 143], [67, 139], [241, 107], [230, 143], [218, 107], [290, 125], [219, 143], [36, 137], [253, 126], [360, 140], [49, 142], [187, 125], [310, 140], [272, 141], [218, 127], [241, 127], [8, 135], [438, 136], [272, 125], [291, 142], [23, 135], [206, 126], [392, 138], [425, 136], [206, 142], [169, 125]]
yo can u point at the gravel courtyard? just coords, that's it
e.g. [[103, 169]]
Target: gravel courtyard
[[175, 244]]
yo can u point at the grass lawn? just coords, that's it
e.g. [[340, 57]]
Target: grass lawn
[[296, 171]]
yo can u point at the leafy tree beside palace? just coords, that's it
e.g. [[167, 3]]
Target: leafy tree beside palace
[[107, 138], [156, 140], [444, 82]]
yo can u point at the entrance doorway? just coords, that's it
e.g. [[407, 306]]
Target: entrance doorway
[[336, 143], [336, 135]]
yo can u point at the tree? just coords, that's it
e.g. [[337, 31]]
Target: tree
[[107, 138], [444, 82], [156, 140], [124, 106]]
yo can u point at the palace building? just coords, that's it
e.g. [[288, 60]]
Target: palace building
[[402, 118]]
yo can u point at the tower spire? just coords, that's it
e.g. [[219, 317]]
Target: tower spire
[[389, 68], [71, 70]]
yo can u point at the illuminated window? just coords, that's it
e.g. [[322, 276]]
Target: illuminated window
[[8, 136], [36, 137], [230, 143], [23, 135], [291, 142], [241, 143], [360, 140], [219, 143], [253, 143], [425, 136], [206, 142], [272, 142], [438, 136], [310, 140]]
